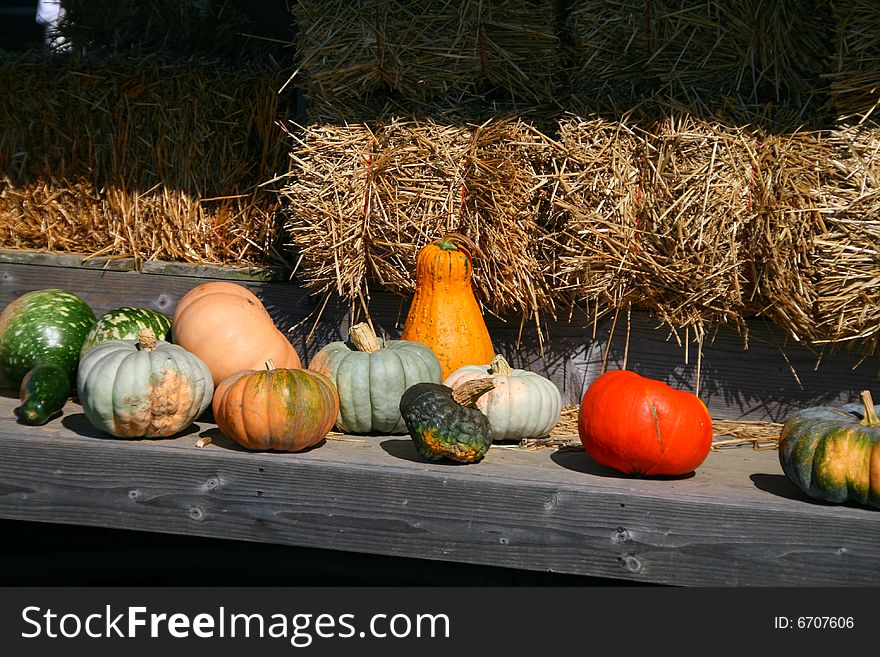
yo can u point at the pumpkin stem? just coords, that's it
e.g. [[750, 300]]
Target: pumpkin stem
[[146, 340], [871, 418], [364, 337], [270, 364], [449, 243], [501, 366], [469, 392]]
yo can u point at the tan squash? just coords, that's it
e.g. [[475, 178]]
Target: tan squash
[[444, 314], [229, 329]]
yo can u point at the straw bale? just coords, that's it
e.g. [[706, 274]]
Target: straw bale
[[790, 169], [133, 158], [605, 54], [419, 50], [654, 216], [501, 212], [692, 223], [593, 194], [704, 52], [818, 235], [854, 74], [752, 49], [847, 255], [182, 27], [363, 199], [166, 224]]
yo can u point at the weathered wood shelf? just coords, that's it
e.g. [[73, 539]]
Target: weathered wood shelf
[[737, 521]]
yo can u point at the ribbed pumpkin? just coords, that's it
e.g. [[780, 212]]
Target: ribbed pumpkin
[[142, 388], [833, 454], [445, 423], [522, 404], [281, 409], [444, 313], [371, 378], [228, 327], [642, 426]]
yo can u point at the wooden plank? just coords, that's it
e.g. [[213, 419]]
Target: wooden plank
[[74, 260], [737, 521], [769, 381], [85, 261]]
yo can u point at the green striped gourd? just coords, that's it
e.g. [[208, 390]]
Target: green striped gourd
[[41, 334], [125, 323]]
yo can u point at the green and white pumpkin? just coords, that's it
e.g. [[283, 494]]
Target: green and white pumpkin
[[42, 326], [523, 404], [371, 378], [125, 323], [833, 454], [143, 388]]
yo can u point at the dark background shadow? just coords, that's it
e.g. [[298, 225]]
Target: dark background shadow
[[44, 554]]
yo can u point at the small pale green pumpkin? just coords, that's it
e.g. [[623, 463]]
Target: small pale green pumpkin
[[371, 378], [523, 404]]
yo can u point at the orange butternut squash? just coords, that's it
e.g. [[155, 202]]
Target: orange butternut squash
[[444, 314]]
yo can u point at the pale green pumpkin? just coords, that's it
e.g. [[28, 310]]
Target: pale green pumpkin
[[142, 388], [371, 378], [523, 404]]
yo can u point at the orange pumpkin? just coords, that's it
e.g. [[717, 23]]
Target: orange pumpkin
[[444, 313], [638, 425], [282, 409], [229, 329]]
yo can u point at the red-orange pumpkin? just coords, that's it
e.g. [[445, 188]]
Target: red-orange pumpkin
[[642, 426], [444, 313], [229, 329], [281, 409]]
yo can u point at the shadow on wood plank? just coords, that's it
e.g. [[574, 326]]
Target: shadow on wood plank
[[404, 449], [79, 424], [780, 486], [579, 461], [46, 554]]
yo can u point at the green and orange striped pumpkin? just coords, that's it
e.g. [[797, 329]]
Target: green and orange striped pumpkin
[[834, 454], [284, 409]]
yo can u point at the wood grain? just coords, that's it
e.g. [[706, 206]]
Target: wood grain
[[737, 521]]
